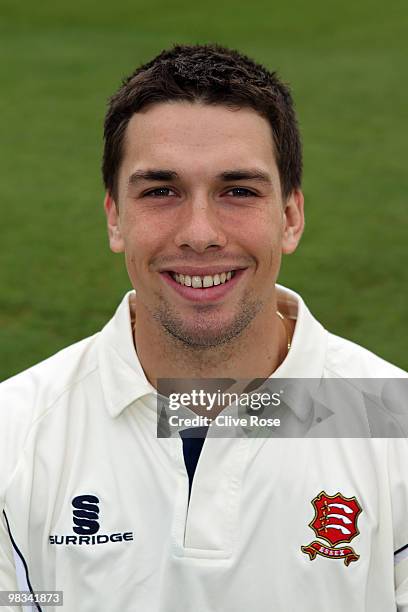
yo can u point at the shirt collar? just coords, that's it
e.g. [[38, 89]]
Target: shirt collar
[[307, 355], [122, 377], [124, 381]]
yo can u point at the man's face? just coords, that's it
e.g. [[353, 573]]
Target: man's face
[[199, 201]]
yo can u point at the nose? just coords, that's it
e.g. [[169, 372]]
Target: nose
[[199, 228]]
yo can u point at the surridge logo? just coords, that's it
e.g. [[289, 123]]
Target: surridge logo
[[86, 524], [86, 514]]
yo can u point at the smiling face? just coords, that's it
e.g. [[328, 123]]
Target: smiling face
[[200, 218]]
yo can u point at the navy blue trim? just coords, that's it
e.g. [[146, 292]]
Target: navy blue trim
[[193, 440], [401, 549], [16, 548]]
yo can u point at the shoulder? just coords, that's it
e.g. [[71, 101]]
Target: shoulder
[[24, 398], [347, 359], [46, 380]]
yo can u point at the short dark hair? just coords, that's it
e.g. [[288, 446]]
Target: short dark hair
[[209, 74]]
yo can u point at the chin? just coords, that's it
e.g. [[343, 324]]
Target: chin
[[205, 336]]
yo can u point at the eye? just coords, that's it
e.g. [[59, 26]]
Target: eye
[[241, 192], [159, 192]]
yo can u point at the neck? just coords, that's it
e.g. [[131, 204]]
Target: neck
[[256, 353]]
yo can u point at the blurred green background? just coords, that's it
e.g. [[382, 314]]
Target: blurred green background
[[347, 65]]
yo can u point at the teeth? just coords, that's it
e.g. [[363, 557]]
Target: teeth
[[198, 282]]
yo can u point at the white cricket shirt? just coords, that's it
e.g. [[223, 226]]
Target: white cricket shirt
[[98, 505]]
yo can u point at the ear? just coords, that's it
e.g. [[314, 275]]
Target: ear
[[294, 221], [116, 242]]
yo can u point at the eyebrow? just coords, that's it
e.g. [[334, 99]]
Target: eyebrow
[[245, 175], [152, 175], [239, 174]]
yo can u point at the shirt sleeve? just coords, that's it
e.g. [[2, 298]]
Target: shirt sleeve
[[15, 422], [398, 478], [8, 579], [401, 583]]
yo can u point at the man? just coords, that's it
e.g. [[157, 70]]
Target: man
[[202, 168]]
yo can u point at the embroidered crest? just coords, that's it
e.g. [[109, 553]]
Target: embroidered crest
[[335, 521]]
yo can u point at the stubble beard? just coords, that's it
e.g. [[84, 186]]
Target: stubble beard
[[206, 333]]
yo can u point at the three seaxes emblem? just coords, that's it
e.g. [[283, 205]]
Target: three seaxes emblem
[[335, 521]]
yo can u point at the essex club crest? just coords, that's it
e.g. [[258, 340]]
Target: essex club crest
[[335, 521]]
